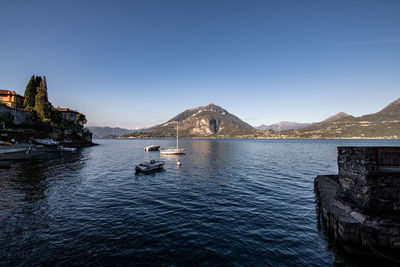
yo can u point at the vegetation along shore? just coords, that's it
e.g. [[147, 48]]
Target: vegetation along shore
[[24, 119]]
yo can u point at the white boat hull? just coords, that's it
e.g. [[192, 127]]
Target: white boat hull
[[174, 151], [46, 142]]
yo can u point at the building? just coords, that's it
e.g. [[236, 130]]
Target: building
[[11, 99], [68, 114]]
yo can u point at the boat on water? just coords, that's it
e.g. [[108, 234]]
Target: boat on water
[[173, 151], [151, 166], [5, 143], [46, 142], [67, 149], [152, 148], [61, 149], [177, 150]]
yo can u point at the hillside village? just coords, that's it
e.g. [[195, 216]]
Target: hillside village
[[23, 118]]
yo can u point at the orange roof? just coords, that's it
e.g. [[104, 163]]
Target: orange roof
[[66, 110], [5, 92], [8, 92]]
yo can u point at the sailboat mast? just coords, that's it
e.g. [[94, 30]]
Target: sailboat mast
[[177, 133]]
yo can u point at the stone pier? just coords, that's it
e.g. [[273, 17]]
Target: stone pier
[[360, 207]]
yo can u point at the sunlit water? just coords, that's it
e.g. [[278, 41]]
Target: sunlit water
[[231, 202]]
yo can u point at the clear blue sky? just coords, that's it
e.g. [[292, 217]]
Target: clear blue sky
[[138, 63]]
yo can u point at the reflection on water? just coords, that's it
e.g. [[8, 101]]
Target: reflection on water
[[231, 202]]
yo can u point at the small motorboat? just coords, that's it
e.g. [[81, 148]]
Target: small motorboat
[[152, 148], [151, 166], [46, 142]]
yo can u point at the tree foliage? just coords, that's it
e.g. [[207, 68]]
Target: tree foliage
[[44, 116], [30, 93], [81, 118], [43, 107]]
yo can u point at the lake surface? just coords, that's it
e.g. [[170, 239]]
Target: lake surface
[[231, 202]]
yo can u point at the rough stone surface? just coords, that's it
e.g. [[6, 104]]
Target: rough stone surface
[[18, 116], [369, 178], [360, 206]]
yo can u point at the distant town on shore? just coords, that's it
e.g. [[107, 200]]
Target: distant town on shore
[[212, 121]]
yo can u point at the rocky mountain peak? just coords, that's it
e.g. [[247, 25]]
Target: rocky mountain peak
[[336, 117], [211, 105], [206, 121], [213, 108]]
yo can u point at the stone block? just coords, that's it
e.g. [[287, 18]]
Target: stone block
[[360, 207]]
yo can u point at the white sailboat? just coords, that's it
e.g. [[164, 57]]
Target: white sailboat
[[177, 150]]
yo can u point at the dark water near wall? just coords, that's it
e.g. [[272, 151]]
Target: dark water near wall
[[232, 202]]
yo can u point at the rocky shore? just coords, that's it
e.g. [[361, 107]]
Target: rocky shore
[[360, 207]]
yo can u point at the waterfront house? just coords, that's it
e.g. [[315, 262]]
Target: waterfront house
[[68, 114], [11, 99]]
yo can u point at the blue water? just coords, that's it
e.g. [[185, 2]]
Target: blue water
[[231, 202]]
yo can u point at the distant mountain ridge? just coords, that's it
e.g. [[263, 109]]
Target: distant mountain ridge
[[203, 121], [383, 124], [105, 132], [288, 125], [212, 121]]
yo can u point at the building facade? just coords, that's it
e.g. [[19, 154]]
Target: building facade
[[11, 99], [68, 114]]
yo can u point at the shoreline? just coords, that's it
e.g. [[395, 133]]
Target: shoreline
[[26, 151], [256, 138]]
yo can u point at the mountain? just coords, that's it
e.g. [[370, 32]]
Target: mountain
[[214, 121], [288, 125], [103, 131], [204, 121], [383, 124], [336, 117], [283, 125]]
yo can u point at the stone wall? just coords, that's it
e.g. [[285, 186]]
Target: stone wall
[[364, 180], [18, 116], [360, 207]]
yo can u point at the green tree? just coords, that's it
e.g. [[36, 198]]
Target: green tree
[[81, 118], [43, 107], [56, 118], [37, 81], [30, 94]]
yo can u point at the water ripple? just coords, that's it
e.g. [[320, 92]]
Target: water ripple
[[232, 202]]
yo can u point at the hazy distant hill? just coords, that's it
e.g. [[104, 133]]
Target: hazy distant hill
[[283, 125], [288, 125], [104, 131], [383, 124], [204, 121]]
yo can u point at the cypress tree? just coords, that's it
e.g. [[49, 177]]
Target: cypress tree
[[37, 81], [30, 94], [43, 107]]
